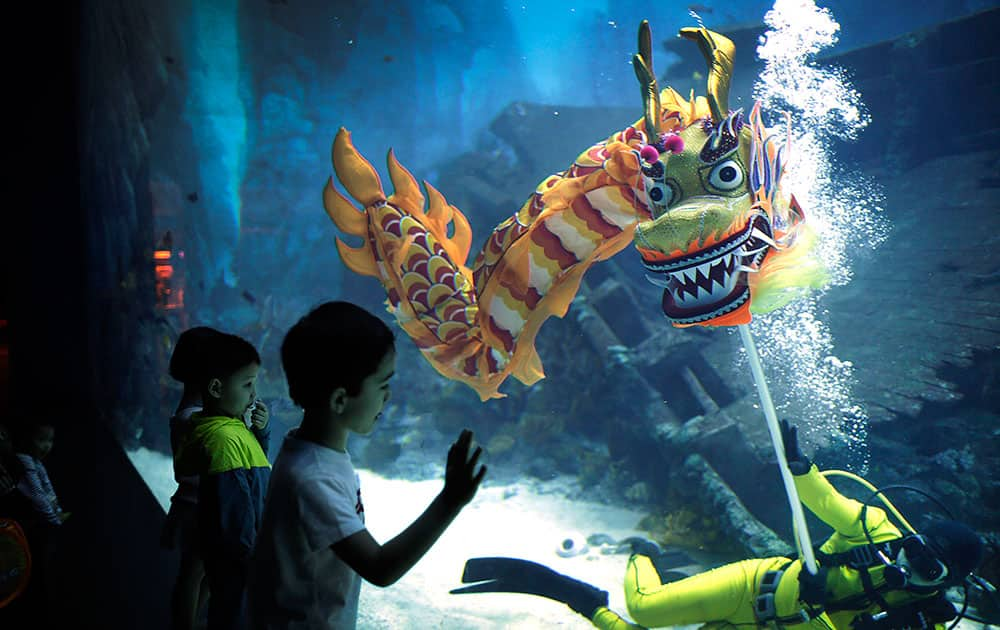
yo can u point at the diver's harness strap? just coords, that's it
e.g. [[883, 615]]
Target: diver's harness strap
[[860, 558], [764, 607], [916, 614]]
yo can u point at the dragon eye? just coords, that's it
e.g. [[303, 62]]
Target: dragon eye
[[726, 175], [660, 194]]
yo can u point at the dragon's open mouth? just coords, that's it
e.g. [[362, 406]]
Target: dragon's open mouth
[[712, 282]]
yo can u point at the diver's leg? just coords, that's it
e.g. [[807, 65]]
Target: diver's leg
[[723, 594]]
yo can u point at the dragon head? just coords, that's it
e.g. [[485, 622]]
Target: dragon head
[[723, 240]]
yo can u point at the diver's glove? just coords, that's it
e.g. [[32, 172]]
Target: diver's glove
[[812, 588], [798, 463]]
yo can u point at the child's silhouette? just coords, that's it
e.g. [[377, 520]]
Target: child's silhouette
[[233, 471], [313, 547]]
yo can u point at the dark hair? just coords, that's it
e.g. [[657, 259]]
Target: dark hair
[[338, 344], [189, 357], [224, 354], [22, 433]]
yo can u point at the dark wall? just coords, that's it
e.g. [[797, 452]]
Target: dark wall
[[110, 572], [44, 267]]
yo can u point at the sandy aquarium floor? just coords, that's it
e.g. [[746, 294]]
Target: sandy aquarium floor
[[524, 520], [517, 521]]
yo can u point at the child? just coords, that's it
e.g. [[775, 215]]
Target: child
[[233, 472], [36, 507], [313, 547], [180, 528], [32, 447]]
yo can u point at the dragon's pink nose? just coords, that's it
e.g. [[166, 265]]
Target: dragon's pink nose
[[673, 143], [649, 154]]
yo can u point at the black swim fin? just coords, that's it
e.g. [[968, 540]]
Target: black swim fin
[[513, 575]]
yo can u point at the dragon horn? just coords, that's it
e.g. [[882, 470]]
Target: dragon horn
[[355, 172], [719, 52], [642, 62]]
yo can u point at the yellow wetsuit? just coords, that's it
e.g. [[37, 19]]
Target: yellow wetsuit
[[725, 597]]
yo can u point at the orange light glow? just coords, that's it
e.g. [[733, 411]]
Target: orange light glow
[[169, 281]]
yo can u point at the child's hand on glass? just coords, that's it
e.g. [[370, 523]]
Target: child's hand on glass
[[259, 416], [461, 478]]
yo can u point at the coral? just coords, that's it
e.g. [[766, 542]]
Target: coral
[[688, 529]]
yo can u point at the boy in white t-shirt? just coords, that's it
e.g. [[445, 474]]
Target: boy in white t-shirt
[[313, 548]]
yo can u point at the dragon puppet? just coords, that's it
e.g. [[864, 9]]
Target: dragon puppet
[[694, 186]]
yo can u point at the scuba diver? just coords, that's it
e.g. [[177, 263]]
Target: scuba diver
[[871, 575]]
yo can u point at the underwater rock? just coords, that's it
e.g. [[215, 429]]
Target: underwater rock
[[593, 468], [518, 126], [540, 428], [954, 460], [499, 444], [951, 63], [733, 518], [638, 492]]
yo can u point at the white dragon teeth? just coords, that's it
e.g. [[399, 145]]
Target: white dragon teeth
[[757, 233], [687, 286]]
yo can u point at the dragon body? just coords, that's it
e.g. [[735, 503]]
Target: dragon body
[[694, 187]]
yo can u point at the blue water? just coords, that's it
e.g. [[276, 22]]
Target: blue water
[[268, 85]]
